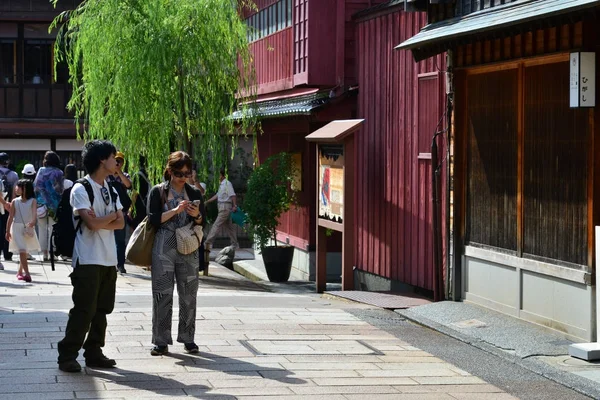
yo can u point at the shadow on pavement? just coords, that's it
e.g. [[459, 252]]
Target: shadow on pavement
[[215, 363], [206, 361]]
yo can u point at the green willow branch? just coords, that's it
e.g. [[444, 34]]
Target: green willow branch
[[156, 74]]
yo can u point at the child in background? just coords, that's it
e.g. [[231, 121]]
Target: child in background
[[20, 229]]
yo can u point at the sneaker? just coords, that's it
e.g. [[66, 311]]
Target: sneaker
[[27, 278], [122, 270], [1, 267], [20, 277], [30, 257], [191, 348], [159, 350], [69, 366], [100, 362]]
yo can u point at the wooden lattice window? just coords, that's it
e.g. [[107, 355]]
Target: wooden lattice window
[[555, 167], [492, 159]]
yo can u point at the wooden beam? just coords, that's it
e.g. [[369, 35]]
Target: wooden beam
[[327, 224]]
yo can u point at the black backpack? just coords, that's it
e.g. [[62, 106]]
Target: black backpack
[[8, 187], [63, 232]]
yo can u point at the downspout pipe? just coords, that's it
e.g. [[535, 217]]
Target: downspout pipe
[[440, 290], [450, 225]]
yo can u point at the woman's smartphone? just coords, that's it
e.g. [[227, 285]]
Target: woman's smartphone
[[196, 203]]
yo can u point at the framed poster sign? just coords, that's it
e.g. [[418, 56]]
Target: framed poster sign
[[331, 182]]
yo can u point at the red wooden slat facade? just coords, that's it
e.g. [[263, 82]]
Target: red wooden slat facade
[[402, 103], [273, 61]]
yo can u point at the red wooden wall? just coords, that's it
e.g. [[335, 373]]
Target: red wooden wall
[[402, 103], [273, 61], [288, 134]]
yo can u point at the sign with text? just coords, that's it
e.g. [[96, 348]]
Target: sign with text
[[582, 83]]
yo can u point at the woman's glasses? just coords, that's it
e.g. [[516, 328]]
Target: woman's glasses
[[105, 195], [180, 174]]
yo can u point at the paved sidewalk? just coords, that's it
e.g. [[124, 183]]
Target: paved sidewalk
[[253, 343], [526, 344]]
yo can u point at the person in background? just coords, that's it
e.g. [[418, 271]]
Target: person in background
[[226, 202], [8, 179], [172, 205], [139, 212], [201, 186], [20, 228], [70, 174], [48, 187], [28, 172], [121, 181]]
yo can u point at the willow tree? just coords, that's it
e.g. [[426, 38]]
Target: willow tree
[[155, 74]]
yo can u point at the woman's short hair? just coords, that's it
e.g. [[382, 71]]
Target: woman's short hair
[[27, 188], [94, 152], [51, 159], [177, 160]]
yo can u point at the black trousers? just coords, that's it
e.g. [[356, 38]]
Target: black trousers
[[94, 289], [3, 242]]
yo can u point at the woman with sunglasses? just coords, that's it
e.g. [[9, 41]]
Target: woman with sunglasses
[[174, 204]]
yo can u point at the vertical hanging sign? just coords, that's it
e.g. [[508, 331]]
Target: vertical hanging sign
[[582, 79]]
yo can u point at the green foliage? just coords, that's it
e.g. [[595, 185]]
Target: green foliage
[[20, 165], [152, 75], [269, 195]]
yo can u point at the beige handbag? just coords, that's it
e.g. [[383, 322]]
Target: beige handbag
[[189, 238]]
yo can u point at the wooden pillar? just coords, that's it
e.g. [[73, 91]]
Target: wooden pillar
[[321, 249], [348, 217], [321, 273]]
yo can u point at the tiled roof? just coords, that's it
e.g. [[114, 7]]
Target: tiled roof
[[301, 105]]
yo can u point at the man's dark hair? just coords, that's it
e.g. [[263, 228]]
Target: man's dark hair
[[96, 151], [222, 171], [3, 159], [51, 159], [71, 172]]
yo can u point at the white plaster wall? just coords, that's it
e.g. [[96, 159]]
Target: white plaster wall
[[558, 304], [495, 283], [564, 305]]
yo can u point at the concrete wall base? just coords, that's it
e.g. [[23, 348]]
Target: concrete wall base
[[549, 295]]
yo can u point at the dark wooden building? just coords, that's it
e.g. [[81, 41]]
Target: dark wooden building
[[33, 114], [524, 184]]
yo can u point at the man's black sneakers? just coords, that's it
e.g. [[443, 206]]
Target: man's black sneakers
[[69, 366], [100, 362]]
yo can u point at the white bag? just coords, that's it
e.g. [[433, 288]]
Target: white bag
[[42, 211]]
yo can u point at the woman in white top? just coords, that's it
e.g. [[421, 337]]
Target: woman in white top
[[20, 230]]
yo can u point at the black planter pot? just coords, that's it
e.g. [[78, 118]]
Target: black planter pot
[[278, 262]]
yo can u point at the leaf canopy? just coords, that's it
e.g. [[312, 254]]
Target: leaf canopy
[[152, 75]]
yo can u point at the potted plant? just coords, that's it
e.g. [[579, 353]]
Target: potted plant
[[268, 196]]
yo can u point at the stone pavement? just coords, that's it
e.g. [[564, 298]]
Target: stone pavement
[[255, 343]]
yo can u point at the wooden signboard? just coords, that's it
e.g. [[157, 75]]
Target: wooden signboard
[[331, 183]]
